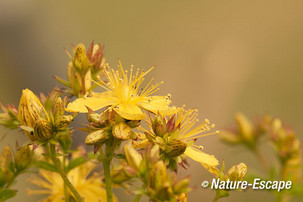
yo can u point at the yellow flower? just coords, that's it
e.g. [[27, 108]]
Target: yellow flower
[[30, 111], [180, 136], [90, 188], [124, 95], [186, 121]]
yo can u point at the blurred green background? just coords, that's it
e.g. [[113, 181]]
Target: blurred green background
[[218, 56]]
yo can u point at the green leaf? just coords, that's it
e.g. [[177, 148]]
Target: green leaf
[[60, 154], [120, 156], [6, 194], [62, 81], [75, 162], [46, 166]]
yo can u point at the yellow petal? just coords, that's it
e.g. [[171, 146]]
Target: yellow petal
[[96, 102], [129, 111], [157, 104], [201, 157]]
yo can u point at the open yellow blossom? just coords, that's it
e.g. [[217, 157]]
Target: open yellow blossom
[[90, 188], [186, 121], [124, 95], [177, 136]]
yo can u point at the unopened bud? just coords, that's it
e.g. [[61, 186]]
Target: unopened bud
[[133, 158], [175, 148], [245, 126], [30, 111], [43, 130], [122, 131], [59, 110], [121, 175], [229, 137], [237, 172], [157, 176], [5, 170], [81, 61], [62, 122], [23, 157], [159, 126], [96, 137], [5, 157], [93, 118], [181, 186]]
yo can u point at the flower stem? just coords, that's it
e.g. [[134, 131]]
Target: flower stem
[[138, 197], [106, 160], [61, 172], [65, 188], [11, 180], [262, 159]]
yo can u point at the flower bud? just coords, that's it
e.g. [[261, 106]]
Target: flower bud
[[95, 55], [5, 157], [30, 110], [124, 174], [23, 157], [80, 60], [43, 130], [229, 137], [9, 118], [122, 131], [245, 126], [159, 126], [157, 176], [181, 186], [5, 161], [175, 148], [62, 122], [59, 107], [165, 193], [237, 172], [133, 158], [96, 137], [93, 117]]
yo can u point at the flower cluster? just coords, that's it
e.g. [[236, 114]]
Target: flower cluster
[[176, 136], [287, 147], [138, 137], [159, 183], [38, 123], [284, 141]]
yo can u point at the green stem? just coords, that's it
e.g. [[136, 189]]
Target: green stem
[[12, 180], [65, 188], [106, 159], [262, 159], [61, 172], [216, 198], [138, 197]]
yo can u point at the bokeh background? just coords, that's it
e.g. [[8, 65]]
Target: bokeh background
[[218, 56]]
